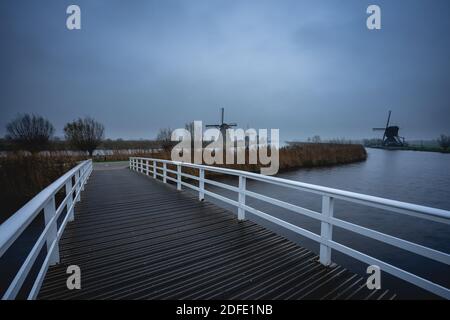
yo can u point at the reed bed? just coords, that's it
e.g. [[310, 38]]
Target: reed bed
[[294, 157], [24, 176]]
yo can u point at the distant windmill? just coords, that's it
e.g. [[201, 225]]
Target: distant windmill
[[390, 134], [222, 126]]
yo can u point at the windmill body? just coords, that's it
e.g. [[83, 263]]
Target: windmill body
[[391, 137], [222, 126]]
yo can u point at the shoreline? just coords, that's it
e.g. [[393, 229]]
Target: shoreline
[[412, 148]]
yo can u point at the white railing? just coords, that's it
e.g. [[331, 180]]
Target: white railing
[[12, 228], [149, 166]]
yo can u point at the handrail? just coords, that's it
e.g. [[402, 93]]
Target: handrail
[[12, 228], [325, 217], [336, 193]]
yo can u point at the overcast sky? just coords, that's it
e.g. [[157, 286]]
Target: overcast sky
[[305, 67]]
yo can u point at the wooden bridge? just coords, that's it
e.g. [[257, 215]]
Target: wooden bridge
[[134, 237]]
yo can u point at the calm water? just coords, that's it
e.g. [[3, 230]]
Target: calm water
[[416, 177], [410, 176]]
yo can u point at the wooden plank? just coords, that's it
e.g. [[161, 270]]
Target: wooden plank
[[136, 238]]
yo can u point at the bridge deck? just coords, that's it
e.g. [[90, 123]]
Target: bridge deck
[[137, 238]]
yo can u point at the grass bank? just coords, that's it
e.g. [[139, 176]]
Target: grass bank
[[414, 148]]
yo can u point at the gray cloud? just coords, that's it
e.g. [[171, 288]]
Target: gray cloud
[[306, 67]]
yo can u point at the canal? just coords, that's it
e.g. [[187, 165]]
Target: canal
[[416, 177]]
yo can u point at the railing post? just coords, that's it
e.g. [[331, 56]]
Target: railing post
[[201, 184], [178, 177], [82, 170], [70, 211], [146, 167], [154, 169], [164, 172], [130, 164], [326, 230], [77, 186], [49, 213], [242, 187]]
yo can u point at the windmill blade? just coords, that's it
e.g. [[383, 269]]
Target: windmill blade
[[389, 119], [378, 129], [387, 124], [232, 124], [212, 126]]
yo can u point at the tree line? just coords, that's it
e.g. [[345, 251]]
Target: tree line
[[33, 133]]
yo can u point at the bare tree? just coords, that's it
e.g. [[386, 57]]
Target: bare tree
[[30, 132], [444, 141], [164, 138], [84, 134], [189, 126]]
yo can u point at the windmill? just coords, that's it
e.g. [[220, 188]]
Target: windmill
[[222, 126], [390, 134]]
